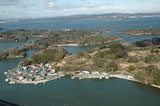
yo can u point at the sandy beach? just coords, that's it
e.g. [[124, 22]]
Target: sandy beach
[[1, 38], [62, 45]]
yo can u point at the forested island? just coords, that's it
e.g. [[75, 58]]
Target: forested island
[[142, 62], [21, 34], [77, 37], [17, 52], [67, 37], [140, 32]]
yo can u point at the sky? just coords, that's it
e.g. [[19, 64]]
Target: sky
[[53, 8]]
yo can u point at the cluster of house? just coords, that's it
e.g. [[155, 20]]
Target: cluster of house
[[31, 73], [100, 75], [94, 74]]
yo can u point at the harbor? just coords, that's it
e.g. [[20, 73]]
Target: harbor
[[103, 75], [41, 73]]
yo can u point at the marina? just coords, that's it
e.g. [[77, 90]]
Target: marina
[[103, 75], [40, 73]]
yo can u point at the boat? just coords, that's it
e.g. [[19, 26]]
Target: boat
[[44, 82], [35, 83], [6, 79], [5, 73], [73, 77], [80, 77], [11, 82], [106, 77], [100, 77]]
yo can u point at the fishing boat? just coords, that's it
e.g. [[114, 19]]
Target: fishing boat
[[11, 82], [73, 77], [80, 77], [5, 73], [6, 79], [35, 83], [106, 77]]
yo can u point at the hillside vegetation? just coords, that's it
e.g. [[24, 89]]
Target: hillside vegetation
[[142, 62]]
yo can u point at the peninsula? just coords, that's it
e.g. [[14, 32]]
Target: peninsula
[[129, 61]]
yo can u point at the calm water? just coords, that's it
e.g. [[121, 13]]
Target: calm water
[[88, 92], [12, 44]]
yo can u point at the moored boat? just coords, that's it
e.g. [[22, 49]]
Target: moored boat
[[73, 77], [6, 79], [11, 82]]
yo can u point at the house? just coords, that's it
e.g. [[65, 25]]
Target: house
[[53, 71], [95, 73], [85, 72], [21, 77], [104, 73]]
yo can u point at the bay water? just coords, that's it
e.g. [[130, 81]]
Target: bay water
[[88, 92]]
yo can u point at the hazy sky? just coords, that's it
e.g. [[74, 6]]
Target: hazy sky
[[52, 8]]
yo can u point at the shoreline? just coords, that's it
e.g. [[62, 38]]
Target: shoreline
[[63, 45], [36, 82], [1, 38], [81, 77], [155, 86]]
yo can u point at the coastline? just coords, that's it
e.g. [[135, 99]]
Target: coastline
[[119, 75], [155, 86], [36, 82], [77, 45]]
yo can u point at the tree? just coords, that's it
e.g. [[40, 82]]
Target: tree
[[101, 46], [111, 66], [131, 68]]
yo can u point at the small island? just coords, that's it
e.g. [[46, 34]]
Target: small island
[[21, 34]]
